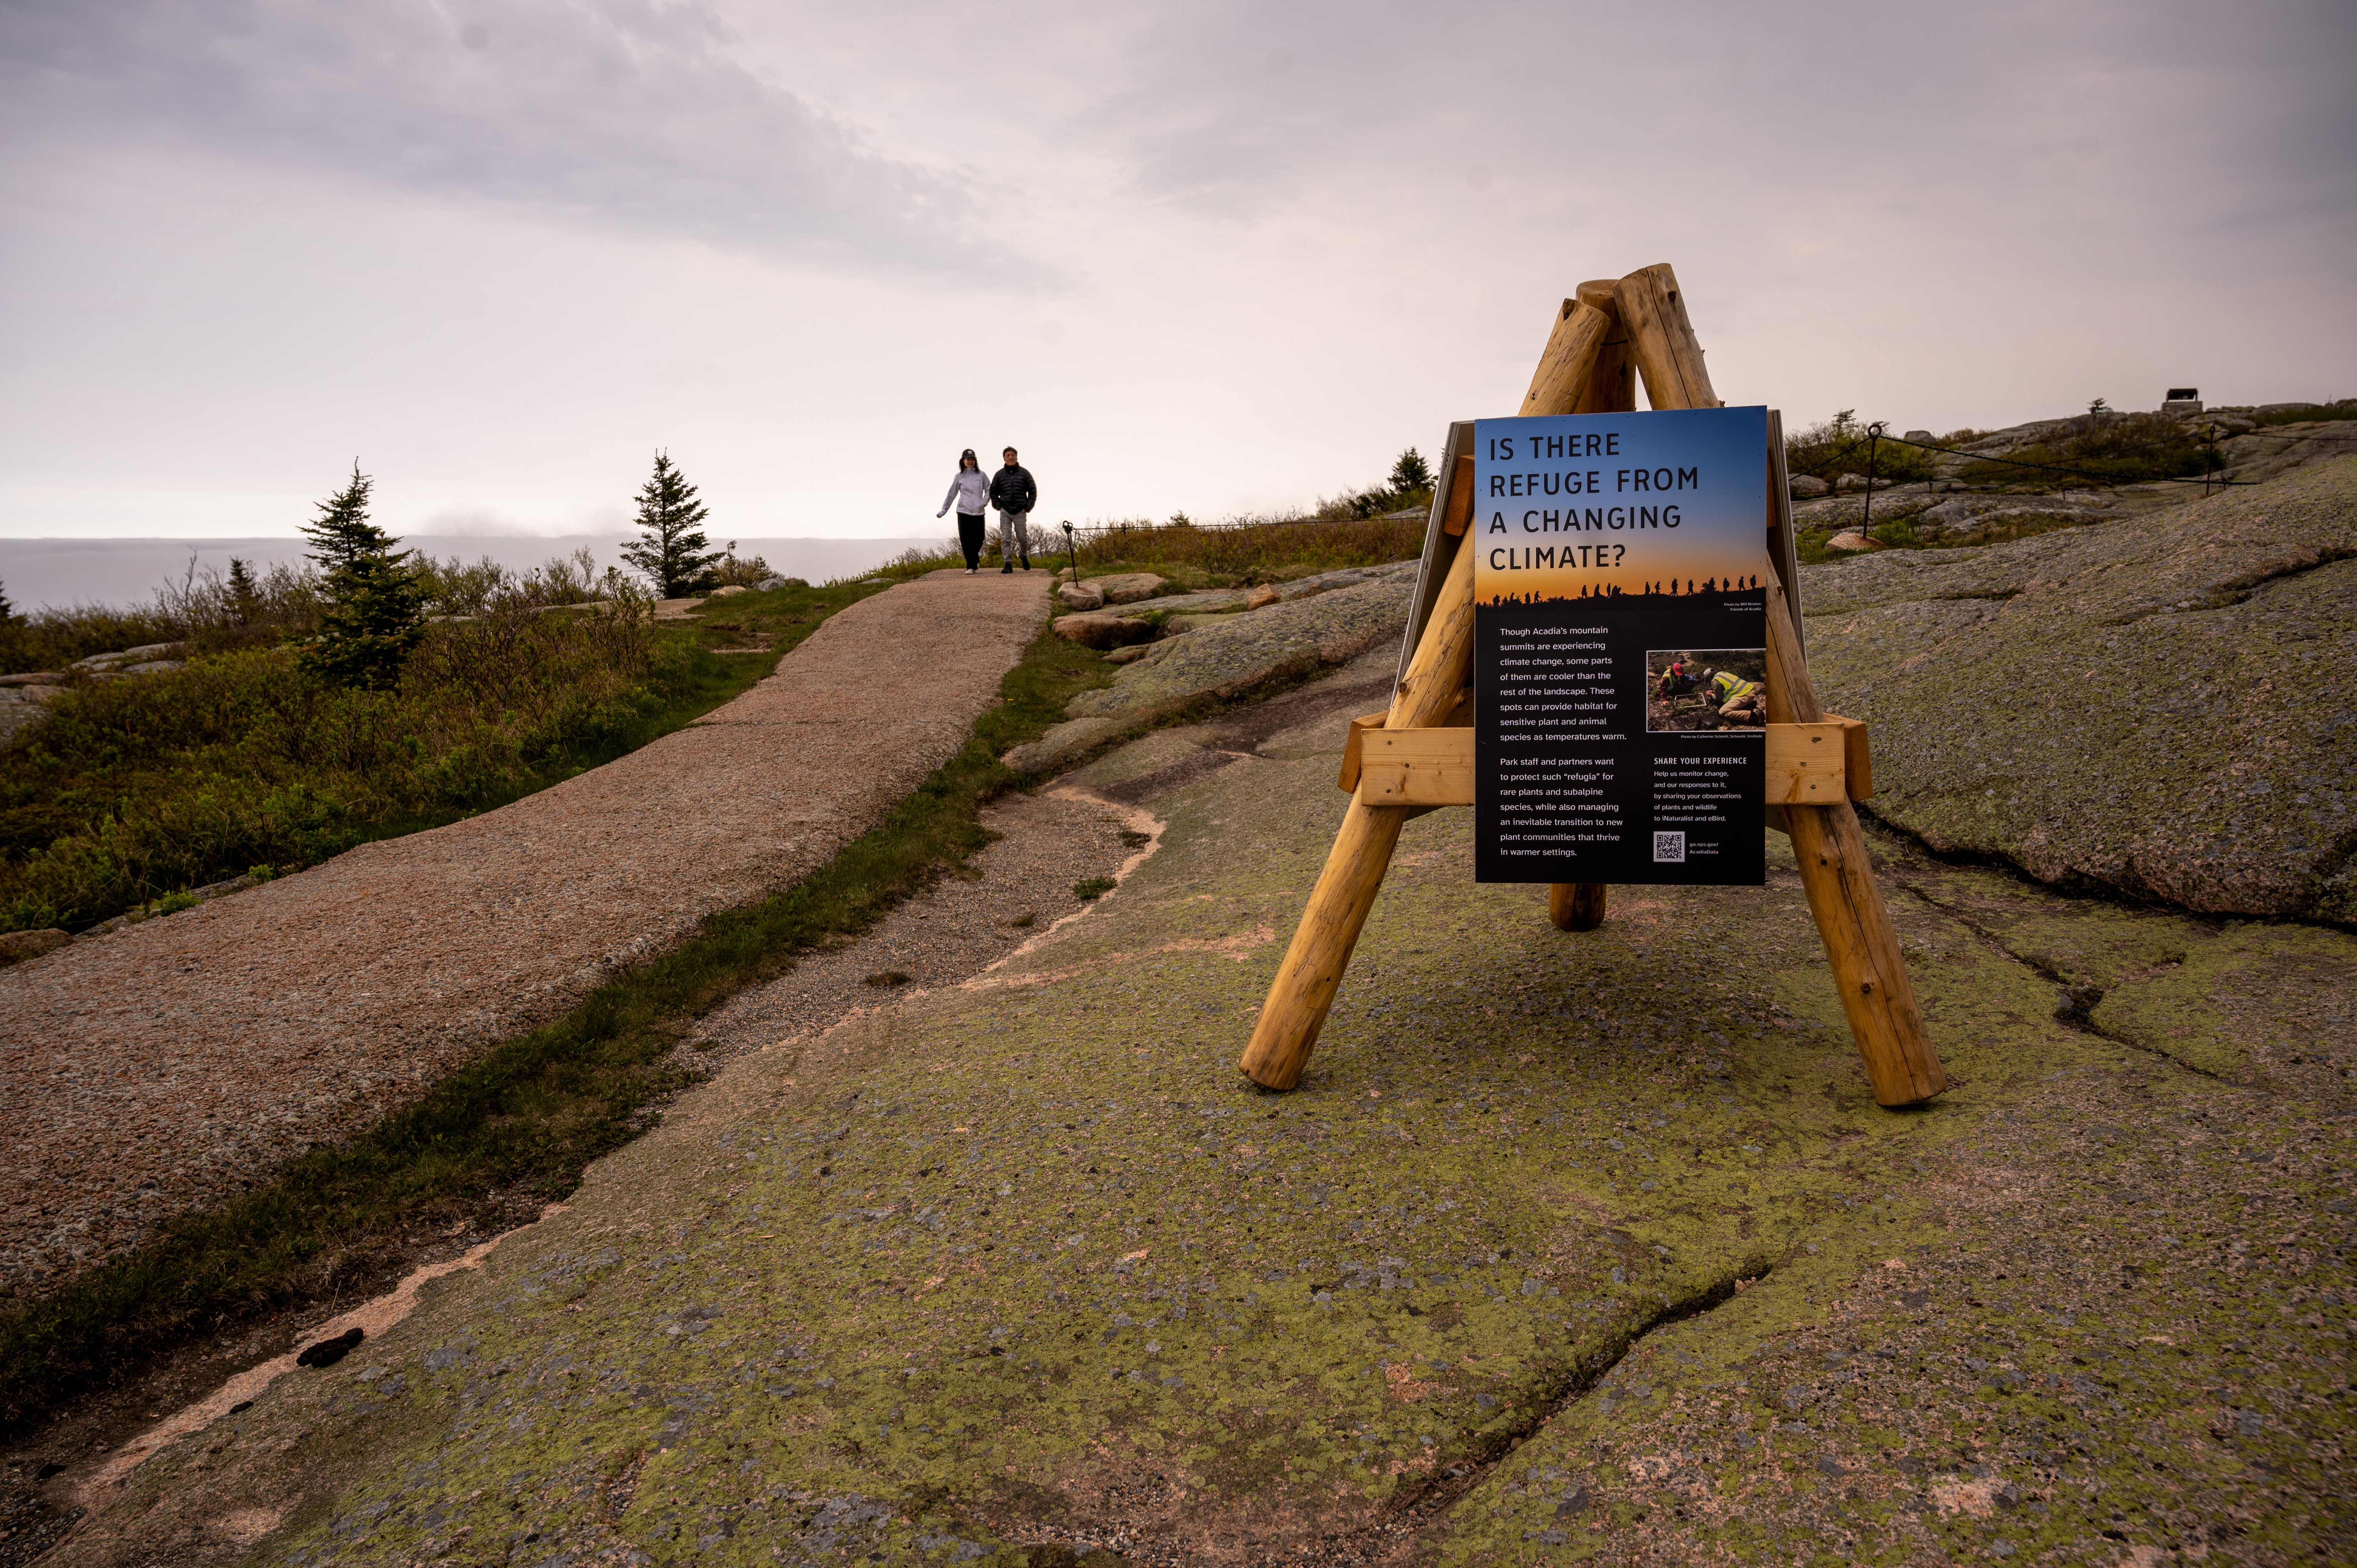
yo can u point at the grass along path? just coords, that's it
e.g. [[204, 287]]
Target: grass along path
[[490, 1143], [134, 791]]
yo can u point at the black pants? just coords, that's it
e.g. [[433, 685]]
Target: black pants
[[970, 538]]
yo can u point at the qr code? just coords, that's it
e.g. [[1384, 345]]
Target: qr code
[[1669, 848]]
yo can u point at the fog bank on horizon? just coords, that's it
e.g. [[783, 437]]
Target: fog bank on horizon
[[58, 573]]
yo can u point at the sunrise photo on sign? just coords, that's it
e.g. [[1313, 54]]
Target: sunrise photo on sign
[[1662, 504]]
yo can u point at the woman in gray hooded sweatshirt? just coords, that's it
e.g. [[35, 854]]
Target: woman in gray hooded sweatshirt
[[970, 493]]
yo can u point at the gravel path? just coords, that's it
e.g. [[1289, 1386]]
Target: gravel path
[[152, 1072]]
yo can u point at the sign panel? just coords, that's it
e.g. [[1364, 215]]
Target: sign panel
[[1620, 647]]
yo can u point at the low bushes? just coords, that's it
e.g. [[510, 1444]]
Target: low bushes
[[2346, 408], [2124, 449], [147, 785], [1843, 445], [1233, 554], [139, 788]]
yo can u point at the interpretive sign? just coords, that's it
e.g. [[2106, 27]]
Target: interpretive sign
[[1619, 647]]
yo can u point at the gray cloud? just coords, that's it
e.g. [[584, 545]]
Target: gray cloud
[[2185, 108], [620, 114]]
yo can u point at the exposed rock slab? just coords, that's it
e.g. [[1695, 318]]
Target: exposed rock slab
[[2157, 705], [1567, 1249], [2277, 449], [1226, 656], [1221, 601], [1942, 516], [1124, 587]]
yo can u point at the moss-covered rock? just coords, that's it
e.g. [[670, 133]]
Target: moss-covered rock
[[1569, 1247], [2160, 706]]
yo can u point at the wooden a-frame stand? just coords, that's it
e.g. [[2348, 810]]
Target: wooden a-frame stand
[[1417, 756]]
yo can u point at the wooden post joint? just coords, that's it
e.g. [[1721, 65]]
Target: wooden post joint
[[1353, 749]]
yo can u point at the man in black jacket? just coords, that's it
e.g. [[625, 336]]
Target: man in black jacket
[[1014, 494]]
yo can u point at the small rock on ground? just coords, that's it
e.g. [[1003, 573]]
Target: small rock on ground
[[1100, 630], [1126, 588]]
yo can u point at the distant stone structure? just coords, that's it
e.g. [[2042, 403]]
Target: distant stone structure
[[2182, 400]]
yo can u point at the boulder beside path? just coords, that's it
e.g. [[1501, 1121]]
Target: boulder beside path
[[1338, 616]]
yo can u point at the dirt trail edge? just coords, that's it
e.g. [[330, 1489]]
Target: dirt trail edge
[[150, 1073]]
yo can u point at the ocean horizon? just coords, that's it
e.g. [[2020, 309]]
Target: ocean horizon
[[59, 574]]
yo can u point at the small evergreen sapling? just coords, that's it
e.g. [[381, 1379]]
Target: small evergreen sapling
[[244, 596], [376, 609], [1409, 474], [672, 549]]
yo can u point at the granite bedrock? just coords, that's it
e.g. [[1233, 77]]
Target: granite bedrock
[[1570, 1247]]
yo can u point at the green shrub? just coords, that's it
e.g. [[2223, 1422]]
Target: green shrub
[[2346, 408], [1844, 444], [2129, 449], [247, 762], [54, 639]]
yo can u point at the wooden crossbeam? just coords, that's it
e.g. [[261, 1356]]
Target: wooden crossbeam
[[1808, 765], [1417, 768]]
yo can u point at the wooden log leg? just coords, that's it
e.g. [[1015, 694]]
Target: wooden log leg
[[1320, 951], [1576, 905], [1863, 948], [1568, 363], [1827, 841], [1312, 970], [1612, 385], [1860, 942]]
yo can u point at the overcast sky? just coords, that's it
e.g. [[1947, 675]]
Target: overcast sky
[[1212, 257]]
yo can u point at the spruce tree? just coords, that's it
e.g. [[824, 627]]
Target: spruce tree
[[244, 596], [1410, 474], [342, 535], [671, 548], [376, 607]]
